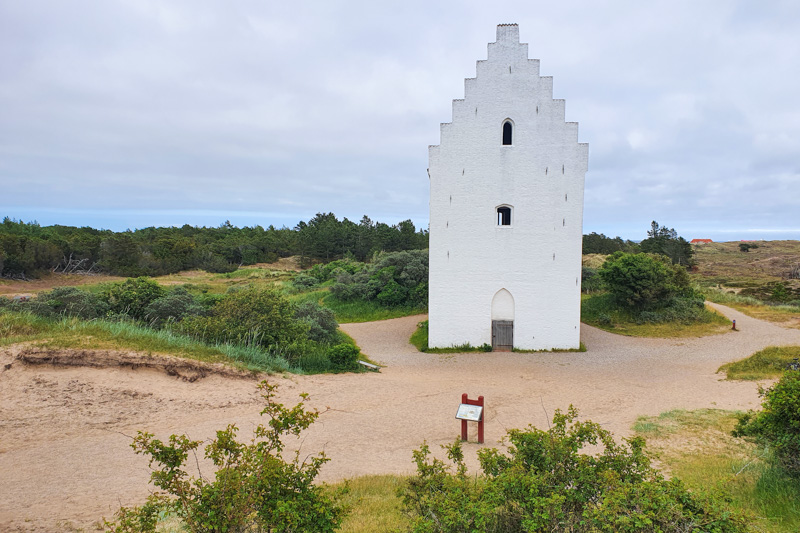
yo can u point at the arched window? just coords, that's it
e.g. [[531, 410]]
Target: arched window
[[503, 215], [508, 133]]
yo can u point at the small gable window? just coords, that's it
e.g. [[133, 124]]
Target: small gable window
[[508, 133], [503, 215]]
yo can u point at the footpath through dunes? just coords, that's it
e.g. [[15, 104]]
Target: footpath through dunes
[[64, 431]]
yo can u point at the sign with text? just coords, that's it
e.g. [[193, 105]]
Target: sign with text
[[472, 413]]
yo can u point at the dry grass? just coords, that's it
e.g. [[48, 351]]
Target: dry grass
[[722, 263], [593, 260], [697, 447]]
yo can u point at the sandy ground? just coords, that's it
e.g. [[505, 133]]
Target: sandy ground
[[65, 459]]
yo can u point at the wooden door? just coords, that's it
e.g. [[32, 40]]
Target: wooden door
[[502, 335]]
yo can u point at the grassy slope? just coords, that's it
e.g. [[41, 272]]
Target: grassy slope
[[73, 333], [697, 447]]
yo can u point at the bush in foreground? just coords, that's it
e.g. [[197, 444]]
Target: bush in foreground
[[546, 484], [777, 425], [254, 487]]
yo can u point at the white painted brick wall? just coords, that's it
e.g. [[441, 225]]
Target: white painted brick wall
[[541, 176]]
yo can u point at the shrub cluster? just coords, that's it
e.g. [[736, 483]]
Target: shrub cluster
[[393, 280], [546, 484]]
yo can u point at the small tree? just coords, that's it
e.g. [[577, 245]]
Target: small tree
[[254, 487]]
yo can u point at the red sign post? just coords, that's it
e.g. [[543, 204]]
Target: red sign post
[[479, 403]]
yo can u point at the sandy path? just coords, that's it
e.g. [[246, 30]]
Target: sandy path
[[65, 459]]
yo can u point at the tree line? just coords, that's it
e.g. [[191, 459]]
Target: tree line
[[660, 240], [28, 249]]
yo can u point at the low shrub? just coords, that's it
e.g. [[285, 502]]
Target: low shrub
[[250, 317], [132, 296], [304, 281], [545, 483], [344, 356], [321, 322], [176, 304], [68, 301]]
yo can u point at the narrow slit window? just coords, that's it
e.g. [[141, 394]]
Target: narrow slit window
[[508, 133], [503, 216]]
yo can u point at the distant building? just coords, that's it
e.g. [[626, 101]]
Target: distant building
[[506, 211], [701, 241]]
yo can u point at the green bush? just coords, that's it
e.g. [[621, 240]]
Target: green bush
[[176, 304], [250, 317], [777, 425], [344, 356], [303, 281], [68, 301], [393, 280], [132, 296], [253, 488], [644, 281], [546, 484], [321, 322]]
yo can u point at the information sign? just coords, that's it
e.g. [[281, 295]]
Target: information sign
[[472, 413]]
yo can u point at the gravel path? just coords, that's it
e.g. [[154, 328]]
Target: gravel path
[[65, 459]]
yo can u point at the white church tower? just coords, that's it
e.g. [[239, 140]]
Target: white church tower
[[506, 211]]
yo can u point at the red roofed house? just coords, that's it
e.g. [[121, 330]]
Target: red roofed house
[[701, 241]]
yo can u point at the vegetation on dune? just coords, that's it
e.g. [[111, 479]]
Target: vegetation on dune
[[258, 327], [768, 363]]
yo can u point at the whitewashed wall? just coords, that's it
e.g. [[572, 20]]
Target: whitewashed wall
[[541, 176]]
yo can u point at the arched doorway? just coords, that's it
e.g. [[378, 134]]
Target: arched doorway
[[502, 321]]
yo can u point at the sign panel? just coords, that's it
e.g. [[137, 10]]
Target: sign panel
[[472, 413]]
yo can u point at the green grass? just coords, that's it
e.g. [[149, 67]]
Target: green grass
[[374, 504], [600, 311], [696, 446], [420, 336], [73, 333], [764, 364]]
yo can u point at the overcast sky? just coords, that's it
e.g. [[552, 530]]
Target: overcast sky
[[132, 113]]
